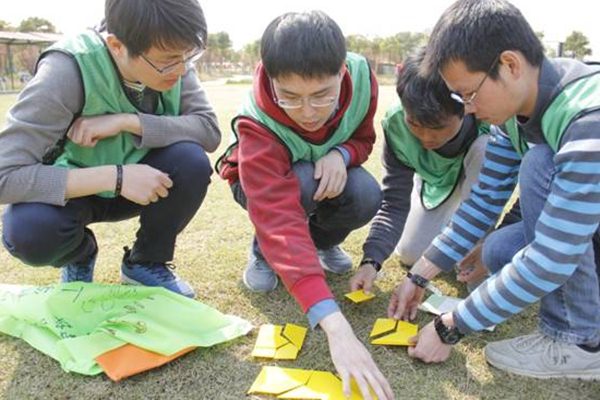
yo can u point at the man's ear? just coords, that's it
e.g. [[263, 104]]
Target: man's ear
[[115, 46], [514, 62]]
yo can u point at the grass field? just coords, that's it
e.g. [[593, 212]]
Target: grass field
[[211, 254]]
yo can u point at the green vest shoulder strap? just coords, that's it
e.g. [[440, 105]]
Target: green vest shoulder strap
[[103, 95], [578, 98], [299, 148], [439, 174]]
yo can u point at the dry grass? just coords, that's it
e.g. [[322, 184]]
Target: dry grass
[[211, 254]]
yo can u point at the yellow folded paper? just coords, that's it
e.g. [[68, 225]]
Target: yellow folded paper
[[358, 296], [291, 383], [392, 332], [278, 342]]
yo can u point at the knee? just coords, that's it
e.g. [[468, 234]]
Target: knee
[[365, 193], [537, 167], [29, 233], [191, 164], [407, 253], [492, 253]]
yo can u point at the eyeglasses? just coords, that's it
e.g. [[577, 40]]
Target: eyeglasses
[[468, 100], [319, 101], [187, 61]]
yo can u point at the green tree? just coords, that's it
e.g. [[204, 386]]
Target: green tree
[[250, 54], [5, 26], [36, 24], [577, 44]]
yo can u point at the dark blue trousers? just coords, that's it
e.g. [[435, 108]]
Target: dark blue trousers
[[42, 234]]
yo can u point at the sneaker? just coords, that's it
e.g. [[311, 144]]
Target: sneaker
[[154, 274], [335, 260], [258, 275], [82, 271], [539, 356]]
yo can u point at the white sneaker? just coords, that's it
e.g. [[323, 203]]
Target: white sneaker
[[539, 356]]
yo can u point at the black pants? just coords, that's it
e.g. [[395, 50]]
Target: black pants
[[41, 234]]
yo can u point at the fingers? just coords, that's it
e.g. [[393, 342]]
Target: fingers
[[345, 376], [393, 311], [356, 282], [320, 193]]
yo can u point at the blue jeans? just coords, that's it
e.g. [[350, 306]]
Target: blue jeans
[[331, 220], [571, 313], [42, 234]]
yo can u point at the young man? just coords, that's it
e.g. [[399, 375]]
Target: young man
[[428, 140], [113, 125], [301, 137], [548, 255]]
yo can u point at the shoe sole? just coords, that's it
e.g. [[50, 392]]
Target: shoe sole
[[581, 375], [250, 288], [326, 268], [128, 281]]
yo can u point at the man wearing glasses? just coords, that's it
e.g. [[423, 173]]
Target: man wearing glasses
[[550, 108], [113, 125], [301, 137]]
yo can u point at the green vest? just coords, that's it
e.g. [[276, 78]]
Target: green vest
[[299, 148], [439, 174], [104, 94], [577, 98]]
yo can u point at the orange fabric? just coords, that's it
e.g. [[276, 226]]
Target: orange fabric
[[129, 360]]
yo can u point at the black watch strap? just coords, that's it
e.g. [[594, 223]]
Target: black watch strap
[[447, 335], [418, 280], [376, 265]]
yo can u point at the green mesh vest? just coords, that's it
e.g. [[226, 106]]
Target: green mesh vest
[[104, 94], [440, 175], [577, 98], [299, 148]]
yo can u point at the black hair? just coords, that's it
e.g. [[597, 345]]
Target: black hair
[[142, 24], [476, 32], [426, 99], [309, 44]]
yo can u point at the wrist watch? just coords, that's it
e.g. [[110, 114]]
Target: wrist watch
[[376, 266], [418, 280], [447, 335]]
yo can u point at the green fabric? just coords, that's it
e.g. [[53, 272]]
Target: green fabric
[[577, 98], [76, 322], [104, 94], [512, 129], [353, 117], [440, 175]]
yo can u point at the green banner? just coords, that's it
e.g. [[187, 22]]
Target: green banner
[[76, 322]]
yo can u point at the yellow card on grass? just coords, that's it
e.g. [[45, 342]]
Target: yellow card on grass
[[388, 331], [358, 296], [291, 383], [279, 342]]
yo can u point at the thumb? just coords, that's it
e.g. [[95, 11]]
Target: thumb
[[318, 170]]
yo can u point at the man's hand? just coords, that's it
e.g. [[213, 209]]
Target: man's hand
[[428, 346], [143, 184], [352, 360], [87, 131], [406, 297], [364, 278], [331, 171], [471, 268]]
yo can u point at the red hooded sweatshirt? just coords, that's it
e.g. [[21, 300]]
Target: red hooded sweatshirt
[[262, 164]]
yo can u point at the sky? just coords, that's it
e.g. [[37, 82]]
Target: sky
[[245, 20]]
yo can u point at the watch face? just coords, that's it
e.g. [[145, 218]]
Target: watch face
[[447, 335]]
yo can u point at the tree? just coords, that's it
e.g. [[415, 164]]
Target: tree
[[5, 26], [577, 44], [250, 53], [36, 24]]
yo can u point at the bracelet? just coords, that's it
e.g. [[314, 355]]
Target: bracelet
[[418, 280], [119, 184], [376, 266]]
